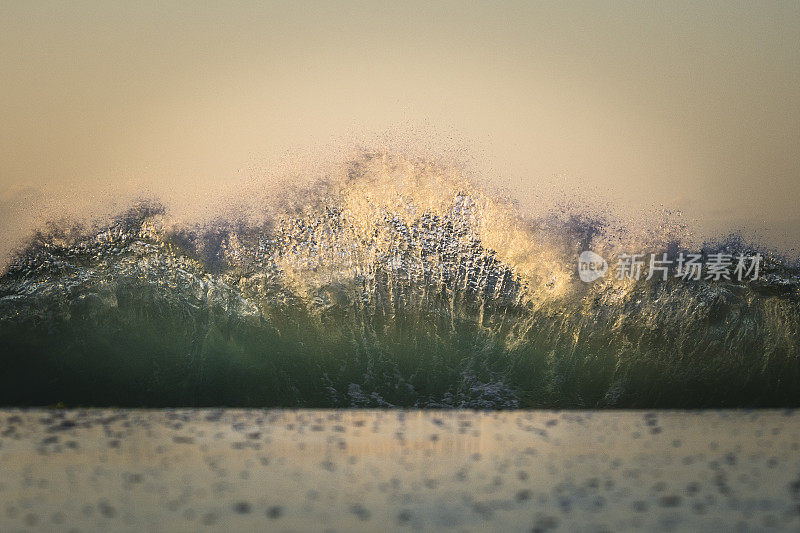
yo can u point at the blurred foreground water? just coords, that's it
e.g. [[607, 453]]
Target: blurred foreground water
[[396, 470]]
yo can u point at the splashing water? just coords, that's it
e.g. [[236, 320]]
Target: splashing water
[[398, 283]]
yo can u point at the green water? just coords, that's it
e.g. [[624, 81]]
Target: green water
[[416, 291]]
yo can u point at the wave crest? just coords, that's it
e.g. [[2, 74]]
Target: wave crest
[[397, 282]]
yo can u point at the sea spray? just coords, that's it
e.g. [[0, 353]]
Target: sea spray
[[396, 283]]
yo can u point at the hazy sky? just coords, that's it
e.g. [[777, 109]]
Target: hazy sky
[[695, 106]]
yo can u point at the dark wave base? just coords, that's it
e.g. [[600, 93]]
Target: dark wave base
[[136, 315], [151, 353]]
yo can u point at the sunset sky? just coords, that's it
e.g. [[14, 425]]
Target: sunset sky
[[690, 106]]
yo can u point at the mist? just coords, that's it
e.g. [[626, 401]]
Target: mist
[[646, 107]]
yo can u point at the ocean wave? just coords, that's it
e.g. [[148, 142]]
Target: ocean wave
[[397, 283]]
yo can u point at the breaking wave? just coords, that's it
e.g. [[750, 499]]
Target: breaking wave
[[398, 283]]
